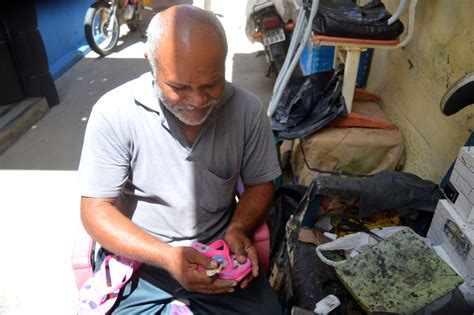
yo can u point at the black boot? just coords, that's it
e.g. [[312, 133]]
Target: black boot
[[459, 95]]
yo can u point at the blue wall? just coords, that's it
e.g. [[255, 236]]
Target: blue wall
[[61, 23]]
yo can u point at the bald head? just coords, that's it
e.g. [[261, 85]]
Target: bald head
[[187, 49], [182, 27]]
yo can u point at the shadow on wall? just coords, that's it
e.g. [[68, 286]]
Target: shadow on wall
[[249, 71]]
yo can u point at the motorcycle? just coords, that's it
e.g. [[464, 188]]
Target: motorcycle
[[265, 25], [103, 20]]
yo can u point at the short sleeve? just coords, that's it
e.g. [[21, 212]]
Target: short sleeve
[[105, 158], [260, 160]]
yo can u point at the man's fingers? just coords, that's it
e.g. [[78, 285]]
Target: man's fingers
[[253, 256], [239, 252], [244, 251], [224, 284], [211, 285], [241, 259], [200, 278], [205, 261], [194, 279], [246, 281]]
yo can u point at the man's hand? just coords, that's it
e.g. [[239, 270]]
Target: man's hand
[[240, 244], [183, 264]]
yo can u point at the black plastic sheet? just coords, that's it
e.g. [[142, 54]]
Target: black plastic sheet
[[308, 104]]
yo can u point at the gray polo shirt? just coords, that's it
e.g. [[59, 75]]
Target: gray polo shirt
[[134, 149]]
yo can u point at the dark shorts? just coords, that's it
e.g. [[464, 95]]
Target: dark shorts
[[151, 290]]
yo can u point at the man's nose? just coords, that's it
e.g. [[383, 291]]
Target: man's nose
[[197, 98]]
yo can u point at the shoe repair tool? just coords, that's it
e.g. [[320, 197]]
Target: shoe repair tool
[[400, 275], [326, 305], [348, 224]]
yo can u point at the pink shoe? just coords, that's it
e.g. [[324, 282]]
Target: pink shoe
[[229, 267]]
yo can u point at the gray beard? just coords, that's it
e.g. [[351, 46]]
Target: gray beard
[[177, 109]]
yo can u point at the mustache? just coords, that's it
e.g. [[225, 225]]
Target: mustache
[[188, 107]]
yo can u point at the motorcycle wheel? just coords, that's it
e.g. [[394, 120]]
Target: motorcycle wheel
[[96, 23], [134, 23], [277, 54]]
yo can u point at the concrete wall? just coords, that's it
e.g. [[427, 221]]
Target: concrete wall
[[412, 81], [61, 24]]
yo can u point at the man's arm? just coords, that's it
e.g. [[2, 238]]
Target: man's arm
[[108, 226], [249, 214]]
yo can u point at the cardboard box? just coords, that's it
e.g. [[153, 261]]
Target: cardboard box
[[456, 237]]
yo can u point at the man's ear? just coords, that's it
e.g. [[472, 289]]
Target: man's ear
[[145, 54]]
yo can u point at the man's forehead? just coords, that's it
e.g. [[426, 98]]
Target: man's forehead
[[204, 37], [193, 55], [183, 75]]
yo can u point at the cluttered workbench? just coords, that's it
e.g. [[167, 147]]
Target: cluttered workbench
[[390, 261], [352, 234]]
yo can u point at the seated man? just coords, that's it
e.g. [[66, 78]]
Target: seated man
[[160, 163]]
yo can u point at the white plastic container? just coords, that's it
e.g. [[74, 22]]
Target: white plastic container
[[456, 237], [462, 178], [465, 289]]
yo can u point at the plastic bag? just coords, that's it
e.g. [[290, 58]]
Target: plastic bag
[[308, 104], [354, 244]]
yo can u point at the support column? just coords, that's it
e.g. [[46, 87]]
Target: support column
[[350, 75]]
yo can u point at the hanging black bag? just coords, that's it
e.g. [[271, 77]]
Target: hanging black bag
[[308, 104], [344, 18]]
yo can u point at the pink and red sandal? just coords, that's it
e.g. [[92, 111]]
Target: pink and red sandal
[[228, 268]]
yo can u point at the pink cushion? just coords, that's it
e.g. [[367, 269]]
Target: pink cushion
[[261, 240], [81, 258]]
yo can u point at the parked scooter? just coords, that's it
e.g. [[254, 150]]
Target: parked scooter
[[103, 20], [265, 25]]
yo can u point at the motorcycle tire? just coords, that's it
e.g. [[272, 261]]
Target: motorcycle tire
[[134, 23], [95, 29], [277, 54]]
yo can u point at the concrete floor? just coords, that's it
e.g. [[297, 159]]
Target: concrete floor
[[38, 186]]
